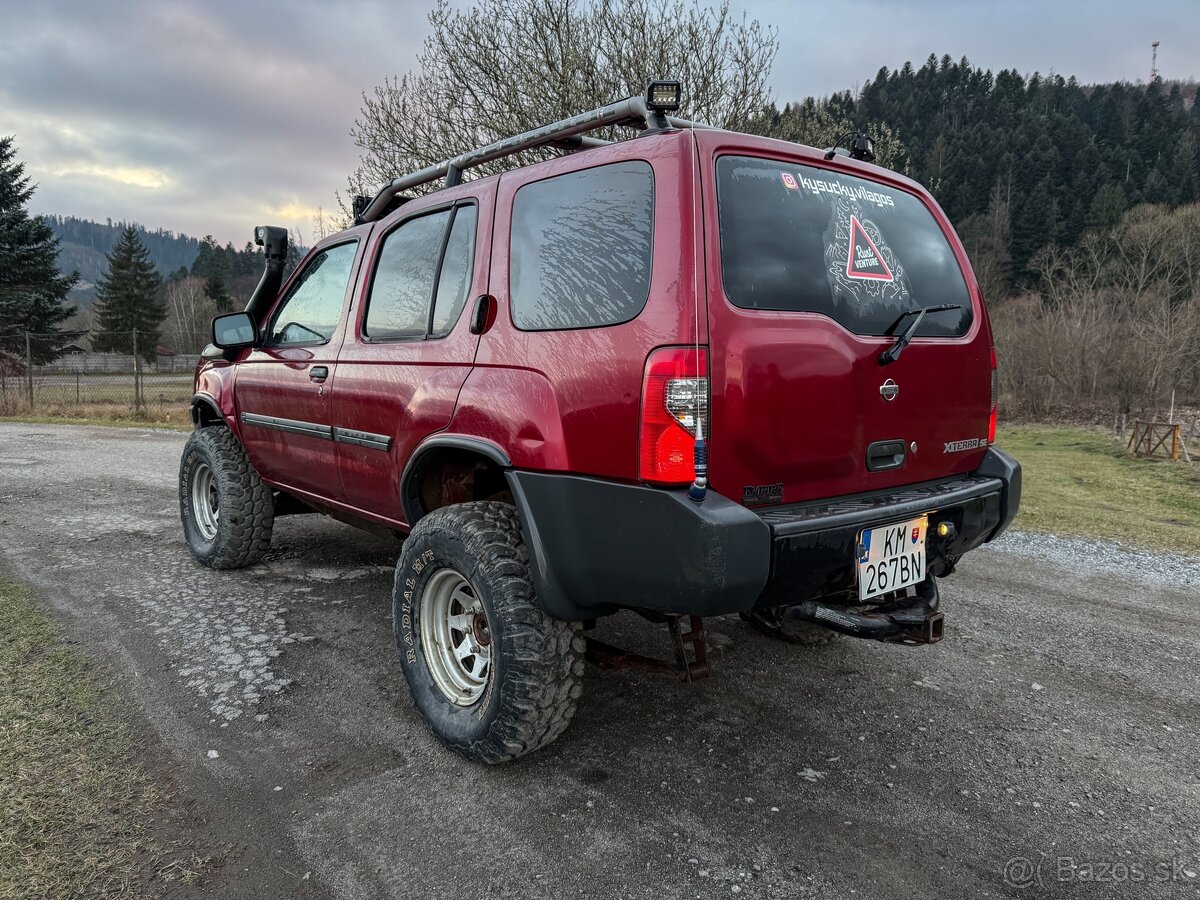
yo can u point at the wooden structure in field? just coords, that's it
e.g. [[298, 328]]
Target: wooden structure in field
[[1149, 438]]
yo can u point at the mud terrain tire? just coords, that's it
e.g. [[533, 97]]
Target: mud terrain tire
[[232, 528], [466, 564]]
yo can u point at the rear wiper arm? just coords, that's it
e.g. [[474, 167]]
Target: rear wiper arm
[[892, 353]]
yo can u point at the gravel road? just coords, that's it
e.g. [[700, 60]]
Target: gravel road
[[1056, 725]]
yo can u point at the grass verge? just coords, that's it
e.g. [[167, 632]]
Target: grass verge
[[74, 805], [1079, 482], [175, 421]]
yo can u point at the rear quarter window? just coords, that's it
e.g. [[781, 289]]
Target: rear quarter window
[[804, 239], [581, 246]]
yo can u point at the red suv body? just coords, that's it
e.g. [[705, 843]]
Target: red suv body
[[551, 337]]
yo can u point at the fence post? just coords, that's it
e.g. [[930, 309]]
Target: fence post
[[29, 370], [137, 375]]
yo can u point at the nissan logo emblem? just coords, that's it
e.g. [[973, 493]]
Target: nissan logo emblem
[[888, 390]]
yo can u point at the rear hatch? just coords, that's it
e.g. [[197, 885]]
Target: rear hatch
[[811, 273]]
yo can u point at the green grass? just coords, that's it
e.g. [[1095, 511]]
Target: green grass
[[74, 805], [1079, 482]]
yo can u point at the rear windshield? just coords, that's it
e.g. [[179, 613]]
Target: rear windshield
[[803, 239]]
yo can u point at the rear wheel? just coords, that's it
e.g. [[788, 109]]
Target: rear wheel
[[492, 675], [227, 511]]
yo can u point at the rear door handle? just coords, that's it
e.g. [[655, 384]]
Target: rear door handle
[[480, 313], [884, 455], [318, 373]]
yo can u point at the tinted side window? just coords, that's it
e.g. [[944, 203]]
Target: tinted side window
[[457, 264], [581, 248], [402, 289], [313, 306], [813, 240]]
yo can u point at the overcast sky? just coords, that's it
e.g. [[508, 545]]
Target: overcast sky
[[212, 117]]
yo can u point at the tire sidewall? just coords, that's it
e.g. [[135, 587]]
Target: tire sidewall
[[426, 553], [195, 452]]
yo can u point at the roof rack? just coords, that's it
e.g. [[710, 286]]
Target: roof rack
[[647, 112]]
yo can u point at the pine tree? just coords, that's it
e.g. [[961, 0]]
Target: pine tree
[[127, 300], [218, 293], [33, 295]]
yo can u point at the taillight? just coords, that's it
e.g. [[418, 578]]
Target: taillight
[[674, 395], [995, 400]]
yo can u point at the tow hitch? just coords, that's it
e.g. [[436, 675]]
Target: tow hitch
[[908, 620]]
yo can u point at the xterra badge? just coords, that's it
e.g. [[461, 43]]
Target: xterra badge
[[960, 446]]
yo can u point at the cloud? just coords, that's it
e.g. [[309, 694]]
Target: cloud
[[211, 115], [134, 176]]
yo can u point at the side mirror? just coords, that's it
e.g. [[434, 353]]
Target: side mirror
[[233, 331]]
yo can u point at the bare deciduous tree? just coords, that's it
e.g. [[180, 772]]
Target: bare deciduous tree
[[1118, 321], [501, 67], [189, 315]]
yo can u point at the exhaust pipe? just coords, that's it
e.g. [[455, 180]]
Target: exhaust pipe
[[910, 620]]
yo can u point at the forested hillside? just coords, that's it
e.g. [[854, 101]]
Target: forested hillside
[[1020, 163], [229, 273], [84, 245]]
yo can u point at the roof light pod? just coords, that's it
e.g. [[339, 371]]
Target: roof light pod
[[664, 95]]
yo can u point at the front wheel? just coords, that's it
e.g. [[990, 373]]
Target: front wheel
[[227, 512], [491, 673]]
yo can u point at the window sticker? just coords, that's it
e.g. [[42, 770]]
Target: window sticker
[[789, 181], [863, 259], [860, 264]]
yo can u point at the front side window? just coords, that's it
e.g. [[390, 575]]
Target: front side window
[[581, 248], [403, 303], [804, 239], [312, 309]]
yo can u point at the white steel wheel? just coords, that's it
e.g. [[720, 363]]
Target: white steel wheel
[[455, 637], [205, 503]]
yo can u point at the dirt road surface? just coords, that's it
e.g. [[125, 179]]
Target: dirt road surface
[[1055, 728]]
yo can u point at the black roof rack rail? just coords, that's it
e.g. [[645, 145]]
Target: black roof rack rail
[[566, 134]]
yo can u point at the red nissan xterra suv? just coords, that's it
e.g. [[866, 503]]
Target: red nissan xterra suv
[[692, 373]]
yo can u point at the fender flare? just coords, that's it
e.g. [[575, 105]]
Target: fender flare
[[202, 398], [408, 497]]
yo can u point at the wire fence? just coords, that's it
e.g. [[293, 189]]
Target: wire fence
[[98, 374]]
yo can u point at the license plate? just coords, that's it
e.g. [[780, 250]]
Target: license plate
[[892, 557]]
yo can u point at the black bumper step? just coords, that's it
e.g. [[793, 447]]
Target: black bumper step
[[867, 509]]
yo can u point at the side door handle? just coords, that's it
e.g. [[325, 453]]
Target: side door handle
[[318, 373], [480, 313]]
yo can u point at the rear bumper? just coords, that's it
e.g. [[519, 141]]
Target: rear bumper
[[597, 546]]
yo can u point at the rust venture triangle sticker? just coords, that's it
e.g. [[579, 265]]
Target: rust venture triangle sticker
[[863, 260]]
